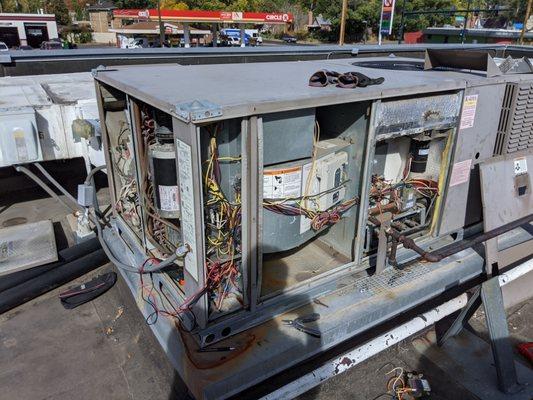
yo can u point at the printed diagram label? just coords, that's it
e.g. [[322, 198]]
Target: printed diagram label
[[169, 198], [460, 172]]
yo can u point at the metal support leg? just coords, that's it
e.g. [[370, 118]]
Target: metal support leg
[[214, 33], [502, 351], [381, 258], [243, 38], [186, 35], [490, 295], [466, 313]]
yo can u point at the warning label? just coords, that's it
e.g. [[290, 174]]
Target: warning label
[[169, 198], [282, 183], [460, 172], [469, 112], [520, 166]]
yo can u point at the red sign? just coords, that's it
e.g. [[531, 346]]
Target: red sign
[[207, 16]]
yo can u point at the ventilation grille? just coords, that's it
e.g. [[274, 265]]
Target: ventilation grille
[[515, 129]]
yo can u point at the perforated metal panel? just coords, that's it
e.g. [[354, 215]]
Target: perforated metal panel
[[515, 129], [26, 246]]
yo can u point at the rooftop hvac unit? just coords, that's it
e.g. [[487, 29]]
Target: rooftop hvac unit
[[285, 194]]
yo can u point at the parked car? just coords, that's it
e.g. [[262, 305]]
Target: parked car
[[3, 47], [235, 40], [51, 45], [255, 38], [25, 47], [288, 38]]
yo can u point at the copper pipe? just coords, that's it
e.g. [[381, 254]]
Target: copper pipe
[[438, 255]]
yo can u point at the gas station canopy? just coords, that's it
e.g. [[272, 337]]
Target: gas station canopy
[[235, 17]]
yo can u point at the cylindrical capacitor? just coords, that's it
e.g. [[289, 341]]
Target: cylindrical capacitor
[[419, 155], [164, 179]]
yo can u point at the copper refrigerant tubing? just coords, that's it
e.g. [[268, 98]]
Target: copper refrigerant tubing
[[438, 255]]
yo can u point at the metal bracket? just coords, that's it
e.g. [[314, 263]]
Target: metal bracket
[[197, 110], [381, 259], [490, 295], [101, 68], [94, 71]]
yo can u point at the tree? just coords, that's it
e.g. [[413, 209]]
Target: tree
[[418, 22], [35, 5], [173, 5], [135, 3], [59, 8], [12, 6]]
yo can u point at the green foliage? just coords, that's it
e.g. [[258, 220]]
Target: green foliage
[[415, 23], [173, 5], [135, 3], [59, 8], [13, 6], [77, 34], [81, 12]]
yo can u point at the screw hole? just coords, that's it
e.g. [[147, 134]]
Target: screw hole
[[209, 338], [226, 331]]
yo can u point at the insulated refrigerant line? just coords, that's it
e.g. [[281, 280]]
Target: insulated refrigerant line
[[359, 354]]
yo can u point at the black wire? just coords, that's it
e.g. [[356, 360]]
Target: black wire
[[151, 318], [163, 294]]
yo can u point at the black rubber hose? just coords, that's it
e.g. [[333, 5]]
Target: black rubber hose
[[64, 256], [43, 283]]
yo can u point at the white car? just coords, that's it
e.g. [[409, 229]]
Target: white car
[[234, 40], [3, 47]]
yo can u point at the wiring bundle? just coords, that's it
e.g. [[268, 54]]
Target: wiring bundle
[[223, 228], [299, 206]]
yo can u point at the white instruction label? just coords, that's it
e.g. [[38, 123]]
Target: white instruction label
[[460, 172], [282, 183], [520, 166], [169, 198], [20, 143], [305, 223], [188, 229], [469, 112]]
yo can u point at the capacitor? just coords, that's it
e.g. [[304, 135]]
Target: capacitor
[[162, 157], [419, 150]]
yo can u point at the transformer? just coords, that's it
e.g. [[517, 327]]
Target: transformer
[[289, 193]]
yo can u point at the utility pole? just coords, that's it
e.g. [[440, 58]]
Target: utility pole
[[402, 22], [161, 26], [463, 31], [343, 21], [380, 23], [524, 28]]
